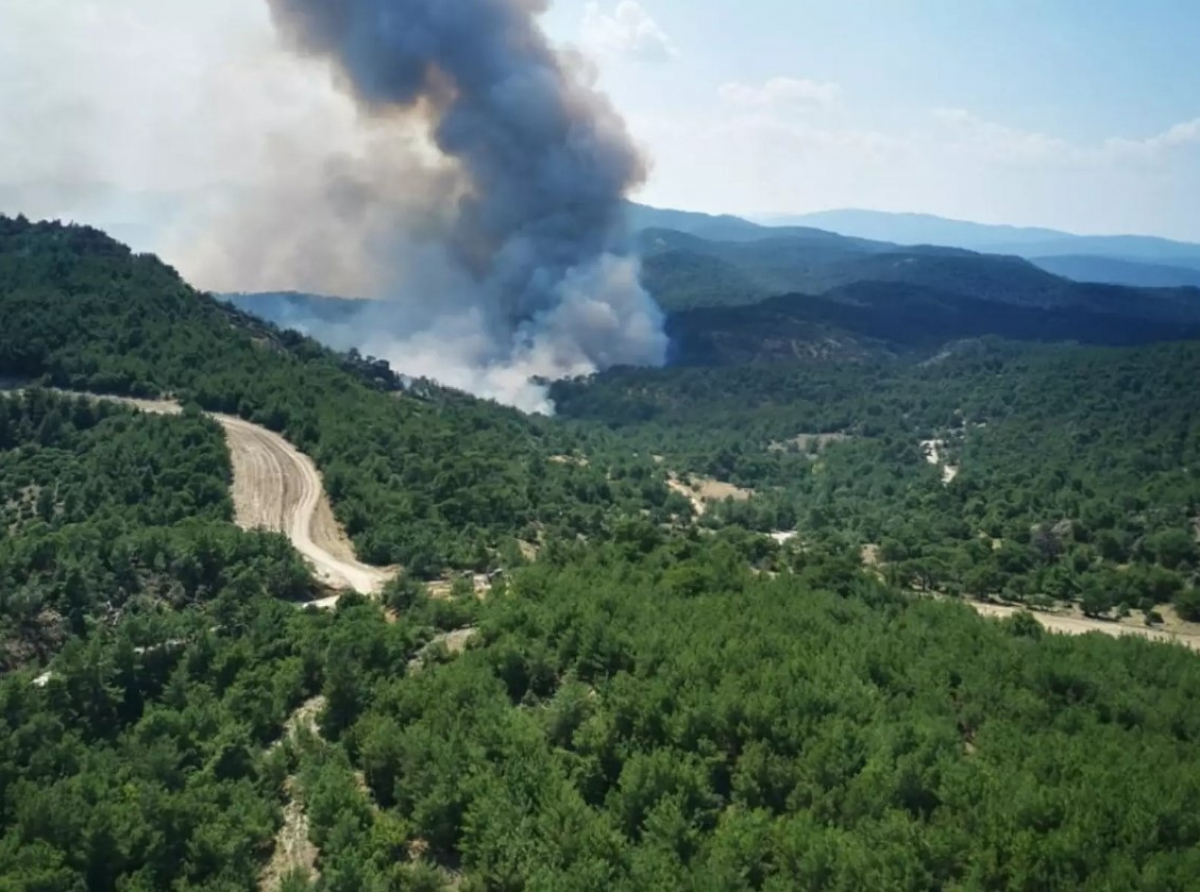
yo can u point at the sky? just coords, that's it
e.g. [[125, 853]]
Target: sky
[[1081, 115]]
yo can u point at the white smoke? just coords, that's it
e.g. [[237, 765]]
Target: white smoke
[[447, 161]]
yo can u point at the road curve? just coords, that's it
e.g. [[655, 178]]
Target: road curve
[[276, 487]]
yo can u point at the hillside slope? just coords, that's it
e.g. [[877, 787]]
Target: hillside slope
[[108, 516], [918, 229], [424, 481], [816, 265], [655, 701], [1039, 473], [891, 318], [1116, 271]]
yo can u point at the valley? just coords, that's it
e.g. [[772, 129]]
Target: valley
[[823, 581], [392, 501]]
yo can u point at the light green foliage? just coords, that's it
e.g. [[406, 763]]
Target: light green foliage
[[1079, 468]]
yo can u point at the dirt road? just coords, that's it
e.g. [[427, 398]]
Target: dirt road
[[703, 490], [1078, 625], [278, 488]]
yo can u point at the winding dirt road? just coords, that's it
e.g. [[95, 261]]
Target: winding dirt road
[[276, 487]]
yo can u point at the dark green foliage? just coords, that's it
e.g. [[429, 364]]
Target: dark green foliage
[[427, 479], [681, 270], [144, 759], [652, 704], [883, 318], [144, 767], [1079, 468], [104, 513], [614, 731]]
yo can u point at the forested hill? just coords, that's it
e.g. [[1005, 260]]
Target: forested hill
[[1039, 474], [892, 318], [658, 700], [424, 479], [684, 271]]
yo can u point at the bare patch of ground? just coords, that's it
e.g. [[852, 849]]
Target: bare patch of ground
[[304, 718], [293, 849], [870, 556], [1073, 623], [702, 490], [455, 643], [934, 454], [576, 460], [808, 442], [443, 589]]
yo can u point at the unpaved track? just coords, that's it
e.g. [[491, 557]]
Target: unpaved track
[[1078, 625], [278, 488], [293, 848]]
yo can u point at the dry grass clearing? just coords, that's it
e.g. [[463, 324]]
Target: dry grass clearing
[[808, 442], [701, 491], [576, 460]]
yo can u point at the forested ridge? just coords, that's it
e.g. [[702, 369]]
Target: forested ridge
[[645, 715], [661, 698], [429, 482], [687, 271], [1078, 469]]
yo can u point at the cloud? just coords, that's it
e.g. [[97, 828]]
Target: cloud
[[627, 31], [999, 142], [948, 161], [1181, 136], [958, 128], [781, 92]]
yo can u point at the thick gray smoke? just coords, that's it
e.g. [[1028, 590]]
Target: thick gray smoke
[[483, 197]]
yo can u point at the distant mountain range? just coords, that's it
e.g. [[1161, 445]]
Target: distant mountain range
[[1117, 259], [737, 264], [736, 291], [1116, 271]]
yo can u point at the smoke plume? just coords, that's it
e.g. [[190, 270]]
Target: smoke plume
[[481, 198]]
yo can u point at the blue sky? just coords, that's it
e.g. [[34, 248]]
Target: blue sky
[[1078, 114]]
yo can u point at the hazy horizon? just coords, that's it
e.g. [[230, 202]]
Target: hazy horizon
[[1081, 118]]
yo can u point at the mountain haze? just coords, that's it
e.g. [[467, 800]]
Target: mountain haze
[[1029, 242]]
